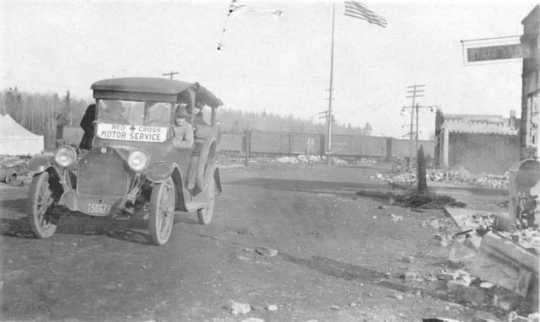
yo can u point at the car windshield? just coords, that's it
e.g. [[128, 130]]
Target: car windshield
[[134, 112]]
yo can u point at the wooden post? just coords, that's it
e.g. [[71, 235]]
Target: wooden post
[[421, 170], [247, 146], [446, 146]]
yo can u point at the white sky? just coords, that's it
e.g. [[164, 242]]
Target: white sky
[[280, 64]]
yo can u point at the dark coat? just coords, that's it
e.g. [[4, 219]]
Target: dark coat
[[87, 124]]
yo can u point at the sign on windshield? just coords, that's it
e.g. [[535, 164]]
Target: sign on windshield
[[138, 133]]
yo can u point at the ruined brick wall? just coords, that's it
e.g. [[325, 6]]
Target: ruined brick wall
[[490, 153]]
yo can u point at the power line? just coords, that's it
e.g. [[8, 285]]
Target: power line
[[170, 74]]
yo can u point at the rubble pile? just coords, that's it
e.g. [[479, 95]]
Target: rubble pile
[[13, 169], [482, 221], [309, 159], [527, 238], [455, 177]]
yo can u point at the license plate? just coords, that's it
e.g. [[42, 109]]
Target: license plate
[[98, 208]]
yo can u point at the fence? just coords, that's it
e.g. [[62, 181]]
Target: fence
[[284, 143]]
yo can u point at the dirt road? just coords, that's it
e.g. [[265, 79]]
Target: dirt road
[[340, 257]]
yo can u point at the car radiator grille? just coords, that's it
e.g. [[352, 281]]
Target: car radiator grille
[[103, 174]]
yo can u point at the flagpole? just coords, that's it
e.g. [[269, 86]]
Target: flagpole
[[331, 88]]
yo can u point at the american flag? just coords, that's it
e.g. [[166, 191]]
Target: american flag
[[356, 9], [235, 5]]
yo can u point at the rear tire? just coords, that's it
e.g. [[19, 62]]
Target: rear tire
[[40, 197], [161, 217], [205, 214]]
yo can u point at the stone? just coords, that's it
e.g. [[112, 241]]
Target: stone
[[243, 258], [410, 276], [397, 296], [505, 305], [481, 316], [486, 285], [265, 251], [445, 276], [463, 277], [239, 308], [408, 259], [473, 295], [460, 253], [252, 320], [334, 307], [435, 224], [473, 242], [272, 307]]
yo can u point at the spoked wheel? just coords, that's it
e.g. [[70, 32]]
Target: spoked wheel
[[205, 214], [161, 217], [40, 201]]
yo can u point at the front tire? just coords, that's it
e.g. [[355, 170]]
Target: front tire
[[40, 201], [205, 214], [161, 217]]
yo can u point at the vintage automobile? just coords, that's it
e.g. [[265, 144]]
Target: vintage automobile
[[133, 167]]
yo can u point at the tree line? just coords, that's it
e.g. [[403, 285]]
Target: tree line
[[44, 113]]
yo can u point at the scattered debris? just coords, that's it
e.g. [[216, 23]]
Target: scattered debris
[[396, 218], [288, 160], [305, 159], [239, 308], [445, 276], [451, 177], [461, 277], [527, 238], [264, 251]]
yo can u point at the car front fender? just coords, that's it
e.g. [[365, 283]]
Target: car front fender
[[40, 163], [159, 171]]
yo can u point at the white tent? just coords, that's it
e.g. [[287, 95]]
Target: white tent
[[16, 140]]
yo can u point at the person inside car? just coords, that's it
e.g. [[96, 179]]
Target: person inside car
[[114, 112]]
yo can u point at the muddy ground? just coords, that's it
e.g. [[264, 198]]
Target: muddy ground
[[340, 257]]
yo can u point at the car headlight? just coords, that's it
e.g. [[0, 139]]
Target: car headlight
[[137, 160], [65, 156]]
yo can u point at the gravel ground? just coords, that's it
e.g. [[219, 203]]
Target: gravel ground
[[340, 257]]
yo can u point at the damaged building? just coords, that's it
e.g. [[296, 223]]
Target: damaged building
[[478, 143]]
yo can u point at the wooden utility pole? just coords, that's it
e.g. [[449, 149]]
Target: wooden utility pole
[[330, 117], [421, 171], [413, 92], [170, 74]]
